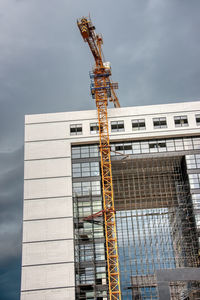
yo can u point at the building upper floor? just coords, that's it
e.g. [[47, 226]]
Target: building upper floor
[[139, 122]]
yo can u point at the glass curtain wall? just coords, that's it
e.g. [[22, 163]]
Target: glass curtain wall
[[149, 236]]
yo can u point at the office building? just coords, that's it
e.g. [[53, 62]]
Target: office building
[[156, 176]]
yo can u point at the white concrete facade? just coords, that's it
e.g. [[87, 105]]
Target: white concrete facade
[[48, 271]]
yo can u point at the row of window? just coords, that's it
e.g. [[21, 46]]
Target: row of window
[[162, 145], [137, 124]]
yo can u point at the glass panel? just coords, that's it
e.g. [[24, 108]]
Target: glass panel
[[179, 144], [188, 144], [160, 122], [84, 151], [94, 128], [117, 126], [138, 124], [181, 121], [75, 129], [194, 181], [196, 143], [76, 152], [197, 119]]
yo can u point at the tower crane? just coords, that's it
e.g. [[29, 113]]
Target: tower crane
[[102, 90]]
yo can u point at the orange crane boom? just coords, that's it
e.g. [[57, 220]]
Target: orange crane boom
[[102, 90]]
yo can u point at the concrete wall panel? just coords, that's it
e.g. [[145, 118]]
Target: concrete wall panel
[[47, 276], [47, 149], [55, 294], [51, 187], [48, 252], [46, 131], [47, 168], [48, 208], [53, 229]]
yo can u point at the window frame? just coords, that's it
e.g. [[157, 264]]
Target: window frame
[[77, 129], [194, 180], [117, 124], [96, 130], [181, 120], [138, 122], [197, 118], [161, 122], [85, 169], [86, 188]]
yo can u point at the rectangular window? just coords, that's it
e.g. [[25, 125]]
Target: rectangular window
[[136, 148], [125, 148], [86, 188], [94, 151], [117, 126], [181, 121], [159, 122], [194, 181], [144, 147], [179, 144], [196, 143], [170, 145], [138, 124], [187, 144], [197, 119], [157, 146], [196, 200], [75, 129], [85, 169], [193, 161], [94, 128], [76, 152], [85, 151]]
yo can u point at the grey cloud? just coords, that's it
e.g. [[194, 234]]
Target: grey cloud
[[153, 47]]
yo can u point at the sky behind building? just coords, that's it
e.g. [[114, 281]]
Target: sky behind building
[[153, 47]]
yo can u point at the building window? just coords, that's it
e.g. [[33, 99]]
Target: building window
[[117, 126], [197, 119], [138, 124], [181, 121], [197, 219], [193, 161], [94, 128], [196, 201], [194, 181], [159, 122], [85, 151], [76, 129], [86, 188], [157, 146], [85, 169]]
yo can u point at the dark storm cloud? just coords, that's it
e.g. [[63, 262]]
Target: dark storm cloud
[[11, 174], [153, 47]]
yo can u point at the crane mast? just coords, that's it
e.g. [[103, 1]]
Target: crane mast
[[102, 90]]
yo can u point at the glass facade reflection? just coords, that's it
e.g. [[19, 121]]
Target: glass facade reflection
[[157, 207]]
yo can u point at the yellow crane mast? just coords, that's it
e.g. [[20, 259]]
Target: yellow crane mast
[[102, 90]]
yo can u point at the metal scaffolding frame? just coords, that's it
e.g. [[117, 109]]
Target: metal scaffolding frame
[[155, 223]]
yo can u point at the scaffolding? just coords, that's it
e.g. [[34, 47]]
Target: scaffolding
[[155, 223]]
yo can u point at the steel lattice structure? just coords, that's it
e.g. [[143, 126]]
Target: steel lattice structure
[[102, 89]]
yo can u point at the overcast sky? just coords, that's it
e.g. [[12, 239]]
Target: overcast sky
[[153, 47]]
